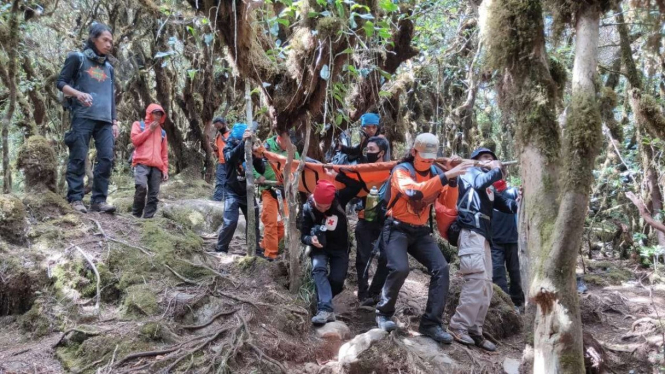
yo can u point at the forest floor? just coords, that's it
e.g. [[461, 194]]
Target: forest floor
[[168, 305]]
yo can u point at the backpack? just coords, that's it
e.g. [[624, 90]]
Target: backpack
[[66, 101], [453, 231], [386, 200], [142, 124]]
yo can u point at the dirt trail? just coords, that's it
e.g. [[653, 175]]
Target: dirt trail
[[162, 293]]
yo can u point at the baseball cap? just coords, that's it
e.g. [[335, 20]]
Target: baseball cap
[[426, 144]]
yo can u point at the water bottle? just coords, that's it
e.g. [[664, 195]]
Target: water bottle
[[371, 202]]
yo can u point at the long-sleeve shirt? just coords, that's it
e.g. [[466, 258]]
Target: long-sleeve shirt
[[92, 77], [504, 225], [415, 195], [334, 218], [234, 153], [482, 201]]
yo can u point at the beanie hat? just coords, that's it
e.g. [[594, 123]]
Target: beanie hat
[[324, 193], [238, 130], [369, 119]]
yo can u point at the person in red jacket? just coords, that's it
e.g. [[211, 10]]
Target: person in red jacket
[[151, 160]]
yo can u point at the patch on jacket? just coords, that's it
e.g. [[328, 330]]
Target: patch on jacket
[[490, 193], [331, 223]]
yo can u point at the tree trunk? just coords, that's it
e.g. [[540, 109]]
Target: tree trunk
[[10, 47], [291, 183], [558, 326], [249, 175]]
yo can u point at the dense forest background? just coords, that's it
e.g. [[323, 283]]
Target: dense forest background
[[573, 90]]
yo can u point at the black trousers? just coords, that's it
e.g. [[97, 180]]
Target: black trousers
[[366, 234], [398, 240], [506, 256], [147, 180], [328, 283]]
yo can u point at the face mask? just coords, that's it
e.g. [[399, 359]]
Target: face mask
[[422, 164], [372, 157]]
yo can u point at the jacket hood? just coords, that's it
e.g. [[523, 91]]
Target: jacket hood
[[148, 113]]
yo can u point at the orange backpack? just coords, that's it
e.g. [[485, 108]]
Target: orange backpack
[[446, 210]]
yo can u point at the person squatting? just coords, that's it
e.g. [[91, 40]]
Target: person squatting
[[393, 222]]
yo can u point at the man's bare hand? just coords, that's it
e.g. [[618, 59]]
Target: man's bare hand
[[315, 242]]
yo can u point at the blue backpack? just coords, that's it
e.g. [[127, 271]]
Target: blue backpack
[[143, 129]]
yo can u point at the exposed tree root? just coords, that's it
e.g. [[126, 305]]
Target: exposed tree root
[[211, 320], [76, 329], [94, 269], [257, 304]]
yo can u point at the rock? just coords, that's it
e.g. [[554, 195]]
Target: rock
[[334, 330], [13, 225], [511, 366], [351, 350], [200, 216], [39, 163], [428, 350]]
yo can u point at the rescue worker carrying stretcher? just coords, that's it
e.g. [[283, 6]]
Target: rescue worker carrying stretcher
[[415, 184]]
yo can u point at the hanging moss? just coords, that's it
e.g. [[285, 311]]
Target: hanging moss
[[329, 27], [583, 137], [559, 75], [608, 102], [565, 11], [511, 29], [650, 114]]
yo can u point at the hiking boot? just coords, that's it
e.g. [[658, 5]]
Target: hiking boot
[[263, 256], [102, 207], [323, 317], [483, 343], [385, 323], [461, 336], [437, 333], [78, 206], [370, 301]]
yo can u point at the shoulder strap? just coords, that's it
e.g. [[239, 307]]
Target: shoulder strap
[[163, 134], [142, 124]]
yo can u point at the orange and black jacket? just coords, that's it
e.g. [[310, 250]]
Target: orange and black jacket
[[414, 197]]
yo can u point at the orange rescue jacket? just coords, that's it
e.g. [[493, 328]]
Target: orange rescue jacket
[[415, 196], [220, 143], [151, 146]]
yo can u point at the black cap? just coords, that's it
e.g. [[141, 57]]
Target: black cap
[[481, 151], [219, 119]]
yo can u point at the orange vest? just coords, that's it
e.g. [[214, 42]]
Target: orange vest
[[220, 142]]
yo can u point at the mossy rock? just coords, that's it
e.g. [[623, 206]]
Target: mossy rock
[[35, 321], [140, 300], [39, 163], [108, 284], [606, 273], [13, 225], [75, 357], [46, 205], [21, 279], [502, 320], [180, 188], [151, 331], [200, 216]]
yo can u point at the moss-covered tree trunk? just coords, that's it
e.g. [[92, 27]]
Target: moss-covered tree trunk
[[558, 326], [10, 46], [556, 179]]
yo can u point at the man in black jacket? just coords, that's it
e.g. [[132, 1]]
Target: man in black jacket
[[477, 199], [236, 187], [87, 80], [324, 228], [504, 247]]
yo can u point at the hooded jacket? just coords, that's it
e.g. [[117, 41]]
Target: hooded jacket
[[475, 207], [151, 146]]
